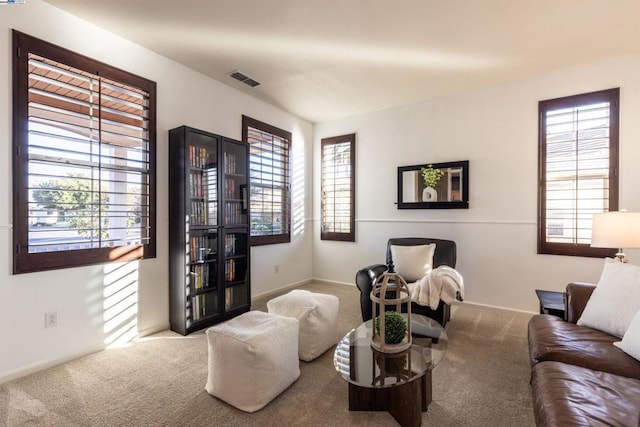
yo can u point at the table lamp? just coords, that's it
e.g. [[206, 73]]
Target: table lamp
[[620, 229]]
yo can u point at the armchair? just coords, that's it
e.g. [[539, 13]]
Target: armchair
[[445, 254]]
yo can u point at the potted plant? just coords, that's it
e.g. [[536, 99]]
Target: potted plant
[[395, 327], [430, 177]]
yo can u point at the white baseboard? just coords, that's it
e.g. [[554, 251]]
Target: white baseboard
[[40, 366], [494, 306], [153, 330], [279, 290], [332, 282], [296, 285]]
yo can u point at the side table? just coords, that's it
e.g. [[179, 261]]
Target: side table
[[551, 302]]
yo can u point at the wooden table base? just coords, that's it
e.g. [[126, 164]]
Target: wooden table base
[[404, 402]]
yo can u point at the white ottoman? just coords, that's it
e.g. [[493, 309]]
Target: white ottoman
[[252, 359], [318, 317]]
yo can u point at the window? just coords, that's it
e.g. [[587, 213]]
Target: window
[[578, 170], [84, 160], [338, 188], [269, 198]]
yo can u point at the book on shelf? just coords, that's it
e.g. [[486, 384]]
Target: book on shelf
[[197, 157], [230, 270], [233, 213], [195, 301], [199, 307], [200, 248], [230, 188], [200, 185], [199, 213], [201, 276], [193, 250], [230, 244], [229, 163], [228, 298]]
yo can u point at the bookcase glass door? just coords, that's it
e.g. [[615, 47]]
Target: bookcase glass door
[[202, 281], [203, 184], [202, 278], [235, 184], [236, 280]]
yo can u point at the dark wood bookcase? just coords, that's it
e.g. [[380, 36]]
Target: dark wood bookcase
[[209, 265]]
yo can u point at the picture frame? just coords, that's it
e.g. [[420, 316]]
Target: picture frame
[[448, 189]]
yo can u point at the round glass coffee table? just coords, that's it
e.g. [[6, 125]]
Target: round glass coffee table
[[399, 383]]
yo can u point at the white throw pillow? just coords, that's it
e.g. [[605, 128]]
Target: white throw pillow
[[615, 300], [413, 262], [630, 343]]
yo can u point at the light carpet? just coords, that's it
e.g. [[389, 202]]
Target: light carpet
[[159, 381]]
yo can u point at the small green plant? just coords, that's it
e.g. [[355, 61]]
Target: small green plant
[[431, 176], [395, 327]]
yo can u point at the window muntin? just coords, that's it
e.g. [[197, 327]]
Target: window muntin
[[269, 194], [338, 188], [578, 170], [84, 164]]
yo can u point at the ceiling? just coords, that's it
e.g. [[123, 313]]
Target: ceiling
[[329, 59]]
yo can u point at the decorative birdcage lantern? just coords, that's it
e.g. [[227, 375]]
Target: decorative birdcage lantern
[[391, 367], [391, 331]]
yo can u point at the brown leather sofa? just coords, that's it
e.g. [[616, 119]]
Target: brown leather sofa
[[578, 377]]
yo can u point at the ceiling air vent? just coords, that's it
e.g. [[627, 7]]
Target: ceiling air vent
[[244, 79]]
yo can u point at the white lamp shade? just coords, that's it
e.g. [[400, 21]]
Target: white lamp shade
[[616, 230]]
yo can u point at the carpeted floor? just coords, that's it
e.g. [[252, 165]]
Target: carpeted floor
[[159, 381]]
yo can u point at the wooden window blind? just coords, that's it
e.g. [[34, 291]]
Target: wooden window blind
[[578, 164], [269, 194], [338, 188], [84, 164]]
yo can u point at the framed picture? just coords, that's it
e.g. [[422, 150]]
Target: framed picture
[[434, 186]]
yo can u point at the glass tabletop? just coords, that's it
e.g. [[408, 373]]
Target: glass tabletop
[[360, 364]]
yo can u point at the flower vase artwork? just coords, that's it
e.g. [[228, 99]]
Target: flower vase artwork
[[430, 176]]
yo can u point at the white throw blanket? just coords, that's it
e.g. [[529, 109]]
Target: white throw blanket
[[442, 283]]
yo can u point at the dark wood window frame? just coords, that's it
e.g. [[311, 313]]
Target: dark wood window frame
[[349, 236], [612, 96], [25, 260], [285, 221]]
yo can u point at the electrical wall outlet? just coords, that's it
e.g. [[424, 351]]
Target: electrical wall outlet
[[51, 319], [276, 269]]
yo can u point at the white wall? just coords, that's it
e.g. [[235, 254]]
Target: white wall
[[495, 128], [80, 296]]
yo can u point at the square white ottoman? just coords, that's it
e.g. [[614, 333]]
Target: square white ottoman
[[318, 317], [252, 359]]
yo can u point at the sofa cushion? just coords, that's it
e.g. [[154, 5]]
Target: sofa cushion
[[630, 343], [567, 395], [413, 262], [553, 339], [615, 300]]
